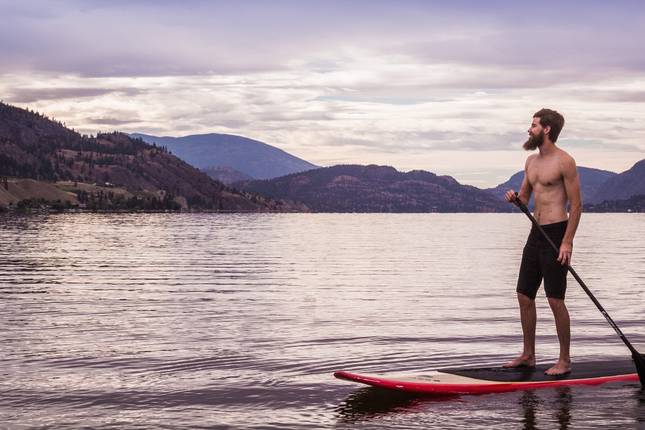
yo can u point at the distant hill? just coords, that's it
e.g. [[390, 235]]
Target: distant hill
[[513, 183], [33, 146], [226, 175], [622, 186], [635, 203], [355, 188], [590, 182], [251, 157]]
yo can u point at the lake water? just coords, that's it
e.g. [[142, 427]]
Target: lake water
[[239, 320]]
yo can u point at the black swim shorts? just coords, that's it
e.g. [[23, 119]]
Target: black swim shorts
[[539, 261]]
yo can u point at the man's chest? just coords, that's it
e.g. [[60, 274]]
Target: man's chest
[[544, 174]]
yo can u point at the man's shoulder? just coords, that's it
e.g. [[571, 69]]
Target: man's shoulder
[[562, 153], [565, 158], [530, 159], [567, 164]]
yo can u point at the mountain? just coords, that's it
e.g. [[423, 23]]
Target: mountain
[[635, 203], [513, 183], [590, 182], [33, 146], [622, 186], [356, 188], [251, 157], [226, 175]]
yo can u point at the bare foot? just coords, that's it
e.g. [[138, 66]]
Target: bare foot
[[560, 368], [521, 361]]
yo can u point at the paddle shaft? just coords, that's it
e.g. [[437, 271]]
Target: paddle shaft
[[602, 310]]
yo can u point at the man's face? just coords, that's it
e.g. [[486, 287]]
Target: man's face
[[536, 135]]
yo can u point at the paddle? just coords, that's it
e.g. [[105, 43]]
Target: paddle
[[639, 360]]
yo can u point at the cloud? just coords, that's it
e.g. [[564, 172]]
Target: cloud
[[29, 95], [619, 95], [596, 144], [147, 38], [111, 121], [409, 83]]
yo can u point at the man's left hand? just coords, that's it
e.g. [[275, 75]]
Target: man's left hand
[[566, 249]]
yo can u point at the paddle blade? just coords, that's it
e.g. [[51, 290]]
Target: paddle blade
[[639, 361]]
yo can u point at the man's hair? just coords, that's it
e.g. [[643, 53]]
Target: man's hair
[[553, 119]]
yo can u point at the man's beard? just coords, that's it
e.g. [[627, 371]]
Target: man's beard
[[534, 141]]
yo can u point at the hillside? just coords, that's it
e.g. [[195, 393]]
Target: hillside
[[33, 146], [226, 175], [622, 186], [355, 188], [635, 203], [251, 157], [13, 192]]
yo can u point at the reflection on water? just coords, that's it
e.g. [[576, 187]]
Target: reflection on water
[[368, 403], [207, 320], [528, 410], [639, 407], [564, 400], [530, 403]]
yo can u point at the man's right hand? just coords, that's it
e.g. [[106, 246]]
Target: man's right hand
[[511, 197]]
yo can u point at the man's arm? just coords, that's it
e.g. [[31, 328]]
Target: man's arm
[[572, 188], [525, 189]]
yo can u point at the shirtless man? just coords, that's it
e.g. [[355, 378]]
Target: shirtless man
[[551, 174]]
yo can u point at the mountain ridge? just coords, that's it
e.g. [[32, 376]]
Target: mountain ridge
[[252, 157], [372, 188], [34, 146], [121, 171], [623, 186]]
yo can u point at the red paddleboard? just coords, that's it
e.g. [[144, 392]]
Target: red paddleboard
[[498, 379]]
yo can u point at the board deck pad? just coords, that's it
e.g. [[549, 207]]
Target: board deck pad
[[583, 370], [498, 379]]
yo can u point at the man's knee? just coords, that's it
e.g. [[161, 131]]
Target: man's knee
[[525, 301], [557, 304]]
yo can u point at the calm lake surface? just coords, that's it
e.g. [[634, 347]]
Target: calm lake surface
[[238, 321]]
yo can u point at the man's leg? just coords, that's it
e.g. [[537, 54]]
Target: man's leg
[[529, 318], [563, 328]]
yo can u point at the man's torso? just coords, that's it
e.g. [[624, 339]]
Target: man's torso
[[545, 176]]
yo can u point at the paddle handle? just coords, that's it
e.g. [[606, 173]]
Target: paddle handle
[[602, 310]]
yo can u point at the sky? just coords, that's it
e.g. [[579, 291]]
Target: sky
[[444, 86]]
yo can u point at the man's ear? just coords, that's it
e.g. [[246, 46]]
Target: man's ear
[[546, 129]]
